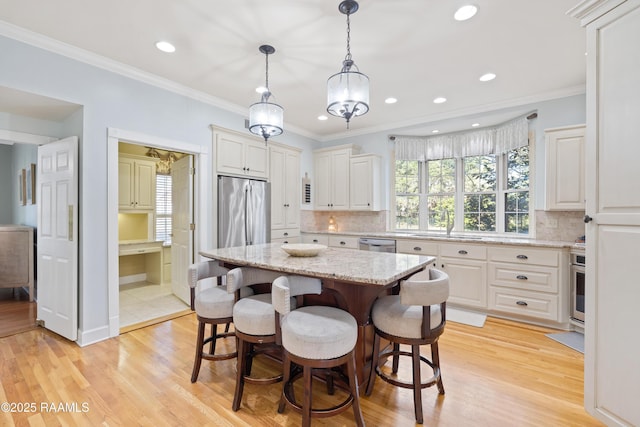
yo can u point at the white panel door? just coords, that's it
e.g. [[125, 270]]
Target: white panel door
[[57, 196], [181, 226]]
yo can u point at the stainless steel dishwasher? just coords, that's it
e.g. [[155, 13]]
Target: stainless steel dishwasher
[[378, 245]]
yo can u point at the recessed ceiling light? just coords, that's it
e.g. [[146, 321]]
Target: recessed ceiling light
[[487, 77], [475, 125], [390, 100], [439, 100], [435, 131], [465, 12], [261, 89], [166, 47], [322, 117]]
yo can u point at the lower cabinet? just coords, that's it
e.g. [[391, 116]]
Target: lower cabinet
[[285, 235], [321, 239], [467, 269]]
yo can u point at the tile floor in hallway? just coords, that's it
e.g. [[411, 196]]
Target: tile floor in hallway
[[143, 301]]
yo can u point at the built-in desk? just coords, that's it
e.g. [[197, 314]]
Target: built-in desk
[[141, 261]]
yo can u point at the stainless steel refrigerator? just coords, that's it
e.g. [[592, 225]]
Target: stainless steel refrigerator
[[244, 211]]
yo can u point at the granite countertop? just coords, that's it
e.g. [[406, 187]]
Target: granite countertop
[[497, 240], [332, 263]]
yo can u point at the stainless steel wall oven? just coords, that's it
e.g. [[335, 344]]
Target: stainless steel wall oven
[[577, 285]]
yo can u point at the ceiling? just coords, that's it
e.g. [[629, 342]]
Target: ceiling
[[412, 50]]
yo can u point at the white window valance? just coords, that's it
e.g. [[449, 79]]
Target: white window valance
[[492, 140]]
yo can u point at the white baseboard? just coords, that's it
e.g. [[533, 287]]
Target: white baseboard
[[125, 280]]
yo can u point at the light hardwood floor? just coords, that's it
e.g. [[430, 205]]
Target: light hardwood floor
[[505, 374], [17, 313]]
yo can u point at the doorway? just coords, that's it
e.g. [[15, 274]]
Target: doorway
[[119, 302]]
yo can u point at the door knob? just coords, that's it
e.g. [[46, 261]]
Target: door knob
[[587, 219]]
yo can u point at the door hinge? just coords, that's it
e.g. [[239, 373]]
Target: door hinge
[[192, 226]]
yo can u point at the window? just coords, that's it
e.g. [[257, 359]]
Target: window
[[482, 193], [164, 208]]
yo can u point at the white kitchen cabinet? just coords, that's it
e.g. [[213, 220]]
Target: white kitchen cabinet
[[417, 247], [565, 168], [332, 174], [242, 155], [466, 266], [348, 242], [285, 235], [136, 183], [321, 239], [612, 350], [529, 282], [364, 182], [284, 175]]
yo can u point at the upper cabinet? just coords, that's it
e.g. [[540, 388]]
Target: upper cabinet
[[285, 186], [331, 168], [237, 154], [136, 183], [364, 188], [565, 167]]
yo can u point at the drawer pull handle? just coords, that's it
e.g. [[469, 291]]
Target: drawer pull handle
[[417, 248], [462, 252], [286, 234], [522, 277], [315, 240], [522, 303], [522, 257], [343, 243]]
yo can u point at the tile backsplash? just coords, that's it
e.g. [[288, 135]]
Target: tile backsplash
[[565, 226]]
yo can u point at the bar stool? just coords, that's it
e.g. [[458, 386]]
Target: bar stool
[[253, 319], [314, 337], [415, 317], [213, 306]]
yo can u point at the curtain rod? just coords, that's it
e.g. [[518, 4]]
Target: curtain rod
[[529, 116]]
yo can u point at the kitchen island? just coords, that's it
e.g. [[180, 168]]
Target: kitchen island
[[351, 279]]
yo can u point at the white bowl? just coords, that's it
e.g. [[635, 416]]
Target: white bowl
[[303, 249]]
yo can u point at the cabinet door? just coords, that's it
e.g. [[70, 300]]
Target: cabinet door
[[340, 180], [467, 281], [230, 154], [278, 191], [255, 159], [361, 184], [145, 185], [292, 189], [322, 179], [126, 190], [565, 169]]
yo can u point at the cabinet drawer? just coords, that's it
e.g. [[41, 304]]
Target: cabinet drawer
[[285, 233], [548, 257], [139, 249], [344, 242], [542, 306], [294, 239], [321, 239], [416, 247], [463, 250], [531, 277]]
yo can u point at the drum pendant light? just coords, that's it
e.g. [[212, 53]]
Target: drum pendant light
[[266, 118]]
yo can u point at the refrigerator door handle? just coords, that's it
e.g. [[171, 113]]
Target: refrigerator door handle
[[247, 233]]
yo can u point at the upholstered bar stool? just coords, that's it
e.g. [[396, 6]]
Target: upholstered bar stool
[[213, 306], [415, 317], [254, 322], [314, 337]]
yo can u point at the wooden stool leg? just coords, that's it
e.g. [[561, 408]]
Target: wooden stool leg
[[198, 359], [286, 367], [212, 343], [353, 385], [435, 359], [240, 369], [417, 389], [396, 357], [374, 364], [306, 402]]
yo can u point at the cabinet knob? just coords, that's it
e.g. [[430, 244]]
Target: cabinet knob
[[463, 252], [286, 234], [522, 257], [522, 303], [368, 204], [522, 277]]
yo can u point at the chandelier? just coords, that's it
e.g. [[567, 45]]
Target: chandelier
[[348, 90], [266, 118]]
